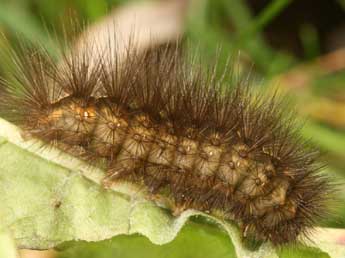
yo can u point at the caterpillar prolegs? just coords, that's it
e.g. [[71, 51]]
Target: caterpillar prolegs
[[171, 126]]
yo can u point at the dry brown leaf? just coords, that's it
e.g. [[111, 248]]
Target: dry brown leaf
[[37, 254], [136, 25]]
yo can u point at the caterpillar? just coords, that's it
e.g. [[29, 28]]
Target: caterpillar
[[171, 126]]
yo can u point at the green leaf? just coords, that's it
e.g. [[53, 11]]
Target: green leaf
[[194, 240], [325, 137], [273, 9], [21, 22], [48, 198]]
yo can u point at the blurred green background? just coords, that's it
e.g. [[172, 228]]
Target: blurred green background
[[298, 45]]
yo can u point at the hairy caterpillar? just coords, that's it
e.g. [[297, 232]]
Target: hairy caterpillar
[[170, 126]]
